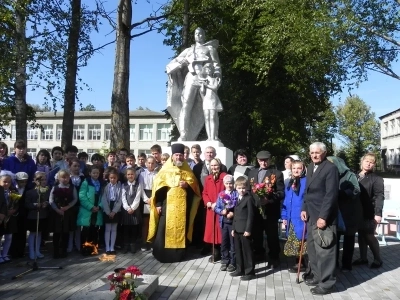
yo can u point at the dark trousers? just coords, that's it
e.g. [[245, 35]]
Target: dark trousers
[[64, 237], [322, 260], [227, 246], [348, 249], [90, 234], [270, 227], [244, 254], [131, 233]]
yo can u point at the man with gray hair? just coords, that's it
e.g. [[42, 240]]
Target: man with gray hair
[[320, 210]]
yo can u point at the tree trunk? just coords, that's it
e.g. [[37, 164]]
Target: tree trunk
[[20, 76], [120, 96], [70, 75]]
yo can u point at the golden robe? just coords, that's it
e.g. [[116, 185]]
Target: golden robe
[[176, 231]]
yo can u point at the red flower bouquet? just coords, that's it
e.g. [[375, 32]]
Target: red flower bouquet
[[264, 190], [62, 196], [122, 282]]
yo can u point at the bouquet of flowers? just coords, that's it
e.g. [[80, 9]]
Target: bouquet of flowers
[[13, 200], [229, 202], [122, 281], [63, 196], [264, 190]]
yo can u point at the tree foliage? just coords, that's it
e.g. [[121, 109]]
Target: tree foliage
[[358, 129]]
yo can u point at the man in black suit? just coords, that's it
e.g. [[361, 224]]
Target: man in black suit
[[320, 209], [201, 171], [271, 207]]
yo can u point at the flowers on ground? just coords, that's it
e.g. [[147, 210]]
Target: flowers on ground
[[122, 282]]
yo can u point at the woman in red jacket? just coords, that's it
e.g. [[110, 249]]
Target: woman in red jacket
[[213, 185]]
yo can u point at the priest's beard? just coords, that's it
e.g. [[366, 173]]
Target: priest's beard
[[178, 163]]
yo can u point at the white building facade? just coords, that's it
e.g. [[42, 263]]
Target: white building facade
[[390, 139], [92, 129]]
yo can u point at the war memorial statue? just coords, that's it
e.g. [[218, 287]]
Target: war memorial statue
[[194, 77]]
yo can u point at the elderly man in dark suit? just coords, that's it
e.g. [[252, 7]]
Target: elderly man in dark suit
[[320, 209], [271, 207]]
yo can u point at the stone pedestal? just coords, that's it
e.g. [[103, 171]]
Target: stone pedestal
[[223, 153], [100, 288]]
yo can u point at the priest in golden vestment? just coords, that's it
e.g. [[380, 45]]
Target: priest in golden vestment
[[176, 197]]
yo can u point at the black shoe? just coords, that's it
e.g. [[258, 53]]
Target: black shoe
[[273, 264], [311, 282], [320, 291], [231, 268], [113, 252], [376, 264], [306, 276], [108, 252], [223, 267], [236, 274], [125, 250], [248, 277], [359, 262]]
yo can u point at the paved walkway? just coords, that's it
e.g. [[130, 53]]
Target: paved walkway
[[198, 279]]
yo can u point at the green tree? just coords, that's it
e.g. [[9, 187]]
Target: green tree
[[358, 129], [369, 34], [89, 107]]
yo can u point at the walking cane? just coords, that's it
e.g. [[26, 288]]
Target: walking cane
[[213, 244], [301, 253]]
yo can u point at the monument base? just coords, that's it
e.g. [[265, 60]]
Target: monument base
[[223, 153], [100, 288]]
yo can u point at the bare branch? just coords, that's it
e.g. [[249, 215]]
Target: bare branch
[[96, 49]]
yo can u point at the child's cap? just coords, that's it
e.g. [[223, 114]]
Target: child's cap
[[21, 176], [228, 178]]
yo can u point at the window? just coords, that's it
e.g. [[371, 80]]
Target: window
[[58, 132], [47, 133], [163, 132], [94, 132], [79, 132], [107, 132], [147, 152], [13, 132], [31, 152], [32, 134], [146, 132], [385, 129], [391, 157], [397, 125], [392, 127], [90, 152], [132, 133]]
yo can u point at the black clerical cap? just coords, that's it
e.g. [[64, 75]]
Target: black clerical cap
[[178, 148]]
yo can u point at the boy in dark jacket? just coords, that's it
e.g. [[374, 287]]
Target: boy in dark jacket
[[241, 231]]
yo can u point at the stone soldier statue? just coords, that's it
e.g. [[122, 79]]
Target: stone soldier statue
[[185, 82]]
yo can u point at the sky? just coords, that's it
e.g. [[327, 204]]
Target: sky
[[147, 87]]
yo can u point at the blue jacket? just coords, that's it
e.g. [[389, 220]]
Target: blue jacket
[[219, 206], [13, 164], [291, 208]]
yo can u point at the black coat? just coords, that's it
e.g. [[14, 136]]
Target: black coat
[[244, 214], [273, 206], [322, 191], [372, 195]]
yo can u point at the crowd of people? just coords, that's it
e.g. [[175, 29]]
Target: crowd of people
[[167, 203]]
